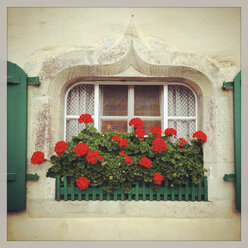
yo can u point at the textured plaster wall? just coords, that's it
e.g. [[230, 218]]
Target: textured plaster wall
[[63, 46]]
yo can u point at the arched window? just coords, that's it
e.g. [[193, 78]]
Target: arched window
[[164, 104]]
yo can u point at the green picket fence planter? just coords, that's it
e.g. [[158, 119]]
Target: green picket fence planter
[[141, 191]]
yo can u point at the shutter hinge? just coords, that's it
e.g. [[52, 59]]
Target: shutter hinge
[[11, 176], [34, 177], [227, 85], [33, 81], [228, 177]]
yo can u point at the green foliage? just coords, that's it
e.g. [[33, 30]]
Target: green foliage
[[176, 163]]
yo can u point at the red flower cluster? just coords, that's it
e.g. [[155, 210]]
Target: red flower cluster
[[85, 118], [128, 160], [92, 156], [170, 131], [60, 147], [136, 122], [116, 137], [182, 141], [101, 158], [82, 182], [146, 162], [123, 143], [37, 158], [140, 132], [81, 149], [122, 153], [199, 135], [157, 131], [158, 145], [158, 178]]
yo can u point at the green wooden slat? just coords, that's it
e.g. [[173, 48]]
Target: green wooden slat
[[79, 193], [165, 189], [180, 193], [101, 193], [200, 191], [93, 193], [122, 194], [137, 192], [115, 195], [143, 191], [108, 196], [193, 190], [158, 195], [173, 194], [151, 194], [72, 191], [86, 193], [205, 189], [58, 188], [65, 189], [187, 190]]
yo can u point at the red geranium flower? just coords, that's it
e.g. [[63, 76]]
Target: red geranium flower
[[158, 145], [199, 135], [123, 142], [101, 158], [158, 178], [146, 162], [157, 131], [85, 118], [182, 141], [60, 147], [116, 137], [170, 131], [122, 153], [140, 132], [136, 122], [128, 160], [82, 182], [37, 157], [92, 156], [81, 149]]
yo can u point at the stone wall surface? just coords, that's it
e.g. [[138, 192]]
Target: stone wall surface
[[63, 46]]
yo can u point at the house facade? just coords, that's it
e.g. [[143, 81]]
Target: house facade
[[94, 60]]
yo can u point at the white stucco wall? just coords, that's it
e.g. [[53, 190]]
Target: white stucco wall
[[200, 46]]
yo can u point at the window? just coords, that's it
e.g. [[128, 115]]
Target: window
[[164, 105]]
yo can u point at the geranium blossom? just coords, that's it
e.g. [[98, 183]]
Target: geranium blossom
[[136, 122], [82, 182], [158, 178], [158, 145], [170, 131], [156, 131], [85, 118], [146, 162], [199, 135], [182, 141], [37, 157], [81, 149], [140, 132], [92, 157], [123, 143], [128, 160], [60, 147]]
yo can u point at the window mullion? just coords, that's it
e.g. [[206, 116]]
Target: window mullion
[[130, 106], [96, 106], [165, 107]]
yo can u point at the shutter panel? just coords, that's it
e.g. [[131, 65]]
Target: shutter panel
[[16, 137], [237, 137]]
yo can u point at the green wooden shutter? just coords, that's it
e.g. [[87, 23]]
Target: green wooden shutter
[[236, 84], [17, 81], [237, 137]]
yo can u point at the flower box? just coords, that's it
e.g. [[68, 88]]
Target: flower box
[[141, 191]]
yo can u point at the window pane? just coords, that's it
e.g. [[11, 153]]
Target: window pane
[[149, 124], [120, 126], [80, 100], [114, 100], [147, 100], [183, 127], [181, 101], [73, 127]]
